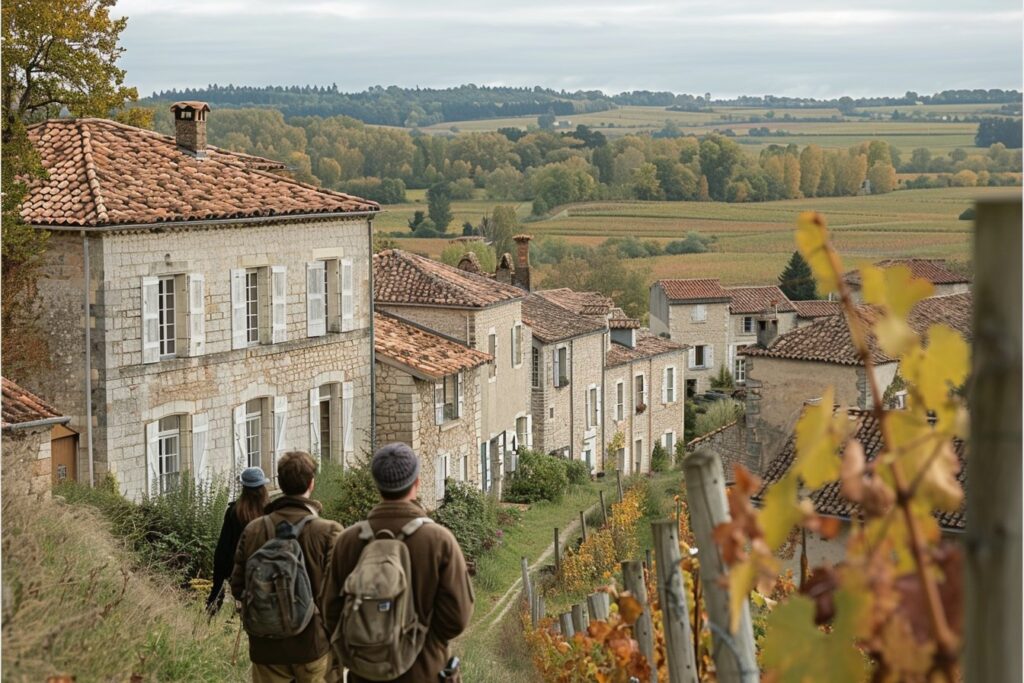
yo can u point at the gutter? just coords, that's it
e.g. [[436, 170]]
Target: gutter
[[373, 341], [45, 422], [212, 222], [88, 361]]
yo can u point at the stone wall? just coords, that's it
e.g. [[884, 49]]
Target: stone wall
[[26, 462], [713, 332], [730, 442], [738, 338]]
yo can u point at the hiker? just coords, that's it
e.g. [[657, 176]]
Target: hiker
[[248, 507], [439, 591], [287, 638]]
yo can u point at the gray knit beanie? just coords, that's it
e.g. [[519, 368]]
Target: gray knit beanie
[[395, 467]]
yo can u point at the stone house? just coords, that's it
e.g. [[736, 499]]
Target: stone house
[[38, 448], [752, 310], [567, 362], [933, 270], [809, 311], [206, 313], [483, 314], [428, 396]]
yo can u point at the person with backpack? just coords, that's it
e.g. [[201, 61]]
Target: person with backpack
[[279, 574], [248, 507], [398, 588]]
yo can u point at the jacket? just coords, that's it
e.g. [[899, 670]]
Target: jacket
[[224, 555], [443, 592], [316, 540]]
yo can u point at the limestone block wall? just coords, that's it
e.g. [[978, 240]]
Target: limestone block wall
[[730, 443], [713, 332], [26, 462], [454, 322], [396, 401], [506, 396]]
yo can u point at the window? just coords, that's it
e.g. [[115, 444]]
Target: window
[[668, 441], [691, 388], [535, 367], [517, 345], [560, 366], [168, 453], [165, 293], [252, 308], [748, 324], [448, 399], [326, 417], [259, 306], [551, 413], [523, 435], [740, 370], [173, 316], [638, 449], [699, 313], [668, 391], [701, 356], [620, 397], [595, 407], [254, 433], [259, 431], [639, 393], [492, 348]]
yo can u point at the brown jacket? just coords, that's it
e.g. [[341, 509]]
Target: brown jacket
[[317, 539], [444, 594]]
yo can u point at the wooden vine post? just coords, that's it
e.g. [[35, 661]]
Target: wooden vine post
[[583, 525], [558, 554], [579, 619], [734, 654], [643, 629], [618, 483], [992, 629], [527, 587], [675, 615], [604, 508], [598, 606]]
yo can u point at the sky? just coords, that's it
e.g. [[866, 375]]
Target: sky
[[824, 48]]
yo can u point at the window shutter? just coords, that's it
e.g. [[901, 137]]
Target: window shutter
[[316, 319], [241, 457], [196, 314], [588, 408], [439, 402], [346, 418], [529, 431], [347, 296], [238, 340], [460, 379], [709, 356], [512, 347], [692, 357], [279, 304], [439, 474], [152, 451], [485, 470], [598, 396], [554, 367], [280, 422], [150, 320], [200, 429], [314, 424], [664, 386]]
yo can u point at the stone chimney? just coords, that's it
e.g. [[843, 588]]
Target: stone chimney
[[522, 273], [505, 271], [470, 263], [190, 127], [767, 330]]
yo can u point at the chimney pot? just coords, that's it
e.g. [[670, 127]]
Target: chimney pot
[[522, 272], [190, 127], [767, 331]]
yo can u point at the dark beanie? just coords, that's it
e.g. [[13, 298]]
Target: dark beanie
[[395, 467]]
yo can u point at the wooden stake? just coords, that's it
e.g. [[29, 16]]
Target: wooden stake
[[643, 630], [558, 554], [583, 525], [566, 621], [527, 587], [604, 508], [675, 615], [598, 606], [618, 483], [579, 619]]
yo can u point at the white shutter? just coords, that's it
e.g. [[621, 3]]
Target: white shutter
[[347, 296], [439, 475], [730, 357], [241, 456], [346, 417], [150, 320], [316, 319], [280, 422], [664, 385], [588, 409], [529, 431], [692, 357], [200, 429], [152, 456], [439, 402], [196, 314], [598, 397], [461, 380], [279, 304], [554, 367], [314, 425], [709, 356], [238, 338]]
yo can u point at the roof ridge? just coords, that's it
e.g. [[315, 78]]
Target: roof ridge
[[90, 174]]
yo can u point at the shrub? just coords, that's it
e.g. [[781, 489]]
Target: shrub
[[659, 458], [718, 414], [680, 452], [695, 243], [576, 471], [722, 381], [469, 514], [537, 477], [347, 495]]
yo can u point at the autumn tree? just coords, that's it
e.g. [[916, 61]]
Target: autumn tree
[[796, 280], [500, 228], [882, 177]]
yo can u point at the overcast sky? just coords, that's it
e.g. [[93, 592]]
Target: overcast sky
[[819, 48]]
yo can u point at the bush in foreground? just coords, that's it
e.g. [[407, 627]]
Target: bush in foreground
[[471, 515], [537, 477]]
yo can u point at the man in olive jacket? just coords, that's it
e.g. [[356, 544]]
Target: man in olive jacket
[[440, 581], [305, 658]]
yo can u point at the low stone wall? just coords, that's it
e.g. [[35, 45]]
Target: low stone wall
[[26, 462], [730, 442]]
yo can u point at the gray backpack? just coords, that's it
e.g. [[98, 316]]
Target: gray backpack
[[278, 599], [380, 635]]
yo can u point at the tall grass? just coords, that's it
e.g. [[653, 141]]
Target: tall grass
[[718, 414]]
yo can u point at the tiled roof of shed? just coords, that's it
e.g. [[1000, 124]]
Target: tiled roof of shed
[[104, 173], [425, 352], [403, 278], [647, 345], [758, 299], [20, 405], [829, 501], [933, 270], [552, 323], [817, 309], [706, 289]]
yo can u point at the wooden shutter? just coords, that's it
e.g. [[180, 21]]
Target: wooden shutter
[[150, 320], [691, 355], [598, 395], [196, 314], [664, 385], [529, 431], [278, 304], [238, 337], [460, 379], [152, 458], [314, 425], [554, 367], [347, 296], [439, 402], [346, 418], [316, 319], [485, 470], [440, 463], [200, 429]]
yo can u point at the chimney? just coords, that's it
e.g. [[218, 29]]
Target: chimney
[[767, 331], [522, 274], [505, 271], [190, 127]]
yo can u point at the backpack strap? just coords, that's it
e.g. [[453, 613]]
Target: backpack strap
[[412, 527], [302, 524], [366, 532]]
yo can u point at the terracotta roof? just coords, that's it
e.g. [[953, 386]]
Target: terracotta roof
[[403, 278], [552, 323], [694, 290], [825, 340], [817, 309], [21, 405], [758, 299], [623, 324], [104, 173], [829, 501], [954, 310], [933, 270], [426, 353], [647, 345], [580, 303]]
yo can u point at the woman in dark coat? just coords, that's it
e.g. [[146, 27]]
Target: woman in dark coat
[[248, 507]]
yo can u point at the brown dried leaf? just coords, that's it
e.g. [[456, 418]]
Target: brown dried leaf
[[851, 472]]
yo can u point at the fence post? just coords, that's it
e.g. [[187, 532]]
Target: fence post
[[648, 560], [558, 554], [539, 608], [734, 656], [527, 587], [597, 606], [583, 525], [672, 596], [579, 620], [633, 580], [566, 621], [992, 567], [618, 483], [604, 510]]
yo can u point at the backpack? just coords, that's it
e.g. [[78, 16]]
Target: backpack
[[379, 635], [278, 598]]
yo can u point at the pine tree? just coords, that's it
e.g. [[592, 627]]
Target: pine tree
[[796, 281]]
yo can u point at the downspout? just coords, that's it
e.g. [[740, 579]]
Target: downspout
[[604, 389], [88, 360], [373, 352], [650, 409], [572, 401]]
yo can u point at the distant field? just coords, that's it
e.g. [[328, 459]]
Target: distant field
[[754, 240]]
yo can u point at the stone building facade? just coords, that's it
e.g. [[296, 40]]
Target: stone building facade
[[229, 307], [753, 311], [694, 313], [29, 428]]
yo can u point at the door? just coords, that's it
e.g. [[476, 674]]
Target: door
[[64, 458]]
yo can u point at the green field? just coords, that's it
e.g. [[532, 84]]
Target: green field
[[754, 241]]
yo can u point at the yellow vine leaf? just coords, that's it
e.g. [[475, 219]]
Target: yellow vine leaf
[[742, 577], [819, 434], [780, 512], [938, 368], [894, 288], [927, 454], [812, 241]]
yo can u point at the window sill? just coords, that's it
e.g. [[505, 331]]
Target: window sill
[[450, 424]]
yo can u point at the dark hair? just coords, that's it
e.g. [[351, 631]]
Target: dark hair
[[396, 495], [250, 503], [295, 472]]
